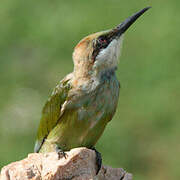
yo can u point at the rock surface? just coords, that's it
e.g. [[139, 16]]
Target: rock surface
[[79, 165]]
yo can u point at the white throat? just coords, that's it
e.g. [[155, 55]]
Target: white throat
[[108, 57]]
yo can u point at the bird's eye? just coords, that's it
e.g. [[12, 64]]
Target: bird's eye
[[102, 40]]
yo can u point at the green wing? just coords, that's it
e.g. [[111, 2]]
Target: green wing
[[52, 112]]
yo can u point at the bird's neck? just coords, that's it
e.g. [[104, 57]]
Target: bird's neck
[[82, 77], [107, 73]]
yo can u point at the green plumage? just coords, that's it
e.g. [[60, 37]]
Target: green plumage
[[51, 113], [73, 118]]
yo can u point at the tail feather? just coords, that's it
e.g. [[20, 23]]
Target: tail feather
[[37, 146]]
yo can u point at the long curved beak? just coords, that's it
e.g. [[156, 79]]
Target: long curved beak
[[122, 28]]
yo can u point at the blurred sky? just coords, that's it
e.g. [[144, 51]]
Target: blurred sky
[[36, 44]]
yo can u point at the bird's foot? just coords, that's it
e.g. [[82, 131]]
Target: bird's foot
[[60, 153], [98, 160]]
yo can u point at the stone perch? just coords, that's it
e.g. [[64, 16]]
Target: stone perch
[[79, 165]]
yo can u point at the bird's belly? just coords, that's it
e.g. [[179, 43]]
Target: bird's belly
[[79, 132]]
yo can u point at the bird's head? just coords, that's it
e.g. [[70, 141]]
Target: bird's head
[[100, 51]]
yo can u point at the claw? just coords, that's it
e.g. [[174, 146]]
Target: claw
[[61, 153], [98, 160]]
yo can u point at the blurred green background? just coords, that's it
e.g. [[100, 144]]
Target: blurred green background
[[36, 44]]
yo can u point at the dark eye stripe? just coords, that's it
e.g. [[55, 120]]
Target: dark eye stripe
[[99, 44], [102, 42]]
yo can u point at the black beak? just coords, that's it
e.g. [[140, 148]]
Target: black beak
[[121, 28]]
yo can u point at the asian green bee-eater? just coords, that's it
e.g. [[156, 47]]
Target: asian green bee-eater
[[84, 102]]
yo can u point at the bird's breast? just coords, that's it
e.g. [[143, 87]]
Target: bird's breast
[[100, 104]]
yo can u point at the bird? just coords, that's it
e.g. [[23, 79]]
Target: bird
[[85, 101]]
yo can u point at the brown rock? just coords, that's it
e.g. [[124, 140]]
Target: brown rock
[[79, 165]]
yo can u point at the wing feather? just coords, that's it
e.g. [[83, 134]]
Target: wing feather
[[52, 111]]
